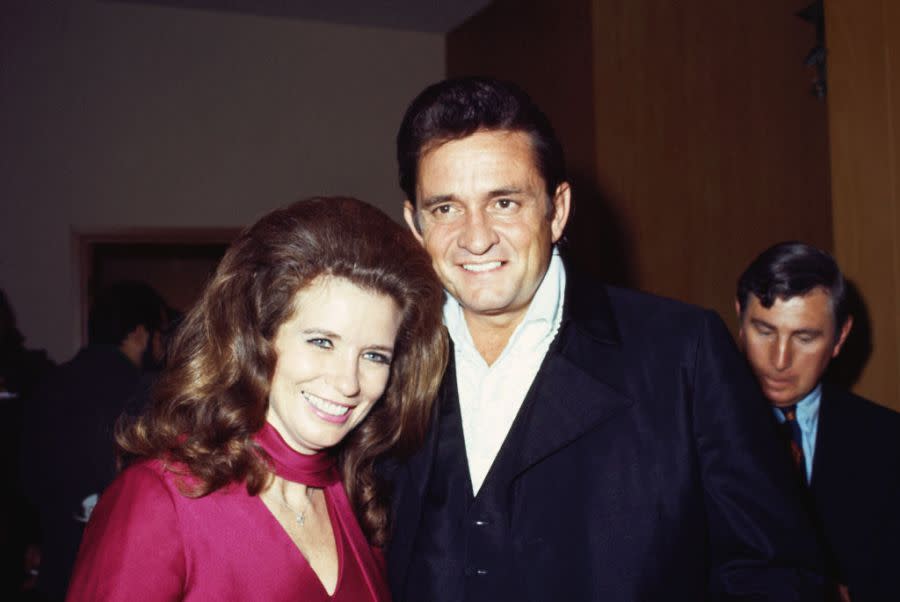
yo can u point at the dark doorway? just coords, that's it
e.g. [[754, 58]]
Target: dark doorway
[[176, 262]]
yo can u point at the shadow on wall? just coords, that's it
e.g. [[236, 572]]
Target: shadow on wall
[[595, 240], [847, 368]]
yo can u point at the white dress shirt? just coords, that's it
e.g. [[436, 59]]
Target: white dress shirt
[[490, 396]]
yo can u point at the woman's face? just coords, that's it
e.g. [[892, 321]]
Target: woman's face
[[334, 360]]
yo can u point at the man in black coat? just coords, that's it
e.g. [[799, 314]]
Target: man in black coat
[[590, 443], [792, 306], [68, 451]]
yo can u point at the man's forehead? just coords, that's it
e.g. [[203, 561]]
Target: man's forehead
[[813, 309], [497, 139]]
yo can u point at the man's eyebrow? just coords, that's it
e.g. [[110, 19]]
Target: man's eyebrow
[[763, 323], [810, 332], [435, 200], [444, 198], [505, 192]]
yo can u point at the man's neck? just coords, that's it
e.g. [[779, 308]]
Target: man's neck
[[490, 334]]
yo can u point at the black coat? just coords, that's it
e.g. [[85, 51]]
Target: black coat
[[645, 468], [856, 494]]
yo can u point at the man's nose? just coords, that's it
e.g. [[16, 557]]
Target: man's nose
[[782, 354], [478, 234]]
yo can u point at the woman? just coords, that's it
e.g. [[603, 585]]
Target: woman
[[316, 348]]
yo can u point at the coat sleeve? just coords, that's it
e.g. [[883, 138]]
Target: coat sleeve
[[762, 543], [132, 547]]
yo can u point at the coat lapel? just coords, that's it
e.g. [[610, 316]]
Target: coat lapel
[[827, 443], [567, 403], [579, 385]]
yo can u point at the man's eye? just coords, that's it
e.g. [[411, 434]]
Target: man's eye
[[379, 358], [442, 209], [321, 342], [505, 203]]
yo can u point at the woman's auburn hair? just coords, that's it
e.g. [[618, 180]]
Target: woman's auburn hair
[[213, 396]]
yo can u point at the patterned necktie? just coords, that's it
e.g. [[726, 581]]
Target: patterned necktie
[[794, 436]]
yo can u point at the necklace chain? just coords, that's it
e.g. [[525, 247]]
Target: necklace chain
[[299, 516]]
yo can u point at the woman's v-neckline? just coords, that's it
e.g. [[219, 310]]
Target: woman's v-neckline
[[339, 542]]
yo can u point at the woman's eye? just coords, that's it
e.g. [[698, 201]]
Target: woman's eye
[[379, 358], [319, 342]]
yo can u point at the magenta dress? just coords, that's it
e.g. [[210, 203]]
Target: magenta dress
[[146, 541]]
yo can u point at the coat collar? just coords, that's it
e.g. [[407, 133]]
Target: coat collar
[[587, 304]]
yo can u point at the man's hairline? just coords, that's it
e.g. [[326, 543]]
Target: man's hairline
[[784, 298]]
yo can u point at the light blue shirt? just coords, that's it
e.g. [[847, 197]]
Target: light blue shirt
[[808, 420]]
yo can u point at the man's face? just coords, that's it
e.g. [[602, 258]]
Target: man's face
[[483, 212], [790, 344]]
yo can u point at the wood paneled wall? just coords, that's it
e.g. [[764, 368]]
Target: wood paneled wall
[[864, 117], [689, 126]]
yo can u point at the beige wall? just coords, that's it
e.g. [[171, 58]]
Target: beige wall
[[115, 115], [864, 116]]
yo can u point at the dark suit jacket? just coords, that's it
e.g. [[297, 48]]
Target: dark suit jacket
[[646, 468], [856, 494]]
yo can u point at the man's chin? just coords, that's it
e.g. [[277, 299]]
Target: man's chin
[[485, 307], [781, 399]]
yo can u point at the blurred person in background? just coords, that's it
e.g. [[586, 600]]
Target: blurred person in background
[[21, 369], [67, 453]]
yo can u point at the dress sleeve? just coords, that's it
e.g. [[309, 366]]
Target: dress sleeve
[[132, 547]]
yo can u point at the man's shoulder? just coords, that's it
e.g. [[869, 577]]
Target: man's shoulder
[[647, 302], [633, 311], [850, 407]]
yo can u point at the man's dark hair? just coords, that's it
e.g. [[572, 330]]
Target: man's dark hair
[[792, 269], [121, 308], [456, 108]]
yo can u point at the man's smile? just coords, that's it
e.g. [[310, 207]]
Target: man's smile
[[482, 267]]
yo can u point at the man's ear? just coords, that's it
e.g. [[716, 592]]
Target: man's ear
[[412, 220], [562, 204], [740, 319], [845, 332]]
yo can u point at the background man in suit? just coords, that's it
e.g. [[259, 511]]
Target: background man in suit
[[590, 443], [792, 307]]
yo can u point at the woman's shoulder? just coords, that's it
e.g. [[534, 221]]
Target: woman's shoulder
[[143, 480], [154, 477]]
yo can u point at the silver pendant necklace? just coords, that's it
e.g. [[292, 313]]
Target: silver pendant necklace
[[299, 516]]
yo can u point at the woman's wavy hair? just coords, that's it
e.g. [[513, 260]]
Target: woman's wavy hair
[[213, 396]]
